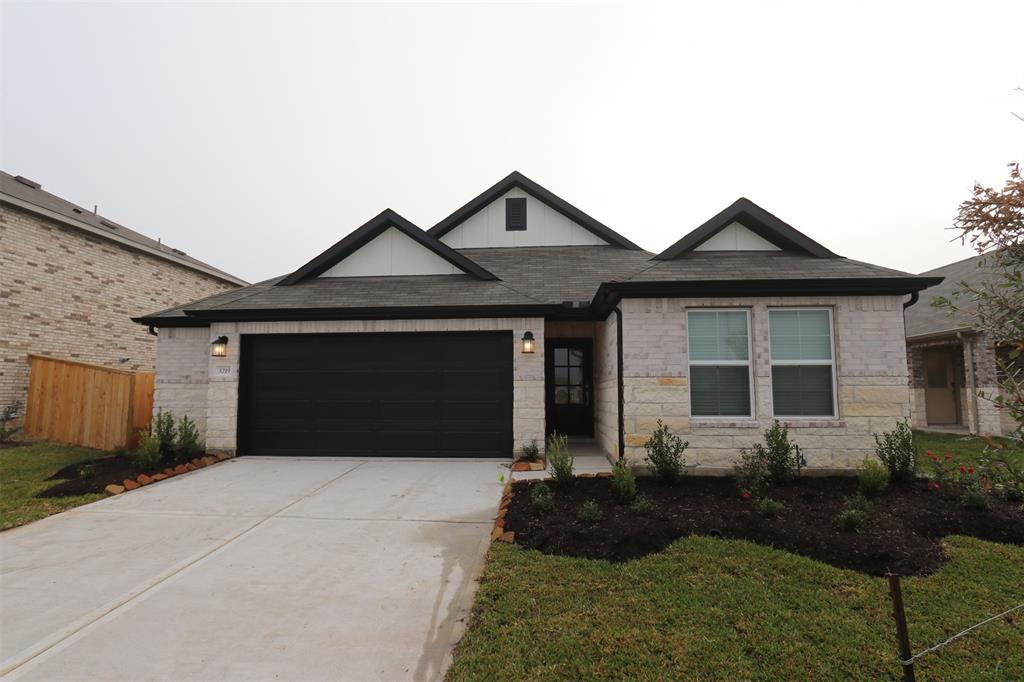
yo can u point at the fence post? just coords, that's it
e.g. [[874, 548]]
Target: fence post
[[130, 417], [901, 626]]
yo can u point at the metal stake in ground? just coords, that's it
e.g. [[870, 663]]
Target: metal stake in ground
[[906, 658]]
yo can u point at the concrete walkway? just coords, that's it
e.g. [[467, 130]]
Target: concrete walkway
[[255, 569]]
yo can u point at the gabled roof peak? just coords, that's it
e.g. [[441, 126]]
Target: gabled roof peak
[[757, 220], [517, 179], [373, 228]]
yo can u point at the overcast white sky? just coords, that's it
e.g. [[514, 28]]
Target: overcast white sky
[[254, 136]]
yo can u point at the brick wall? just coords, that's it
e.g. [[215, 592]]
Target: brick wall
[[187, 367], [182, 373], [71, 295], [871, 367]]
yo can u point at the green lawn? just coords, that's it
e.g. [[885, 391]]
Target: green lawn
[[733, 610], [965, 449], [23, 473]]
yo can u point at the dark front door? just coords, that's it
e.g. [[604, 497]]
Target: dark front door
[[569, 380], [376, 394]]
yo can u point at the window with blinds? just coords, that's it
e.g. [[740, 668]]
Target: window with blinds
[[803, 364], [719, 357]]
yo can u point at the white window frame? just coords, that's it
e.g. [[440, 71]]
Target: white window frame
[[832, 363], [749, 362]]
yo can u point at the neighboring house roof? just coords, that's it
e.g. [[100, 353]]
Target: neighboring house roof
[[572, 282], [29, 195], [923, 319], [517, 179]]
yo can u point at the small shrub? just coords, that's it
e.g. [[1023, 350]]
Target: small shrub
[[855, 514], [164, 430], [1013, 495], [851, 520], [766, 506], [897, 452], [530, 452], [6, 416], [590, 512], [187, 438], [541, 498], [665, 454], [975, 498], [560, 461], [86, 470], [642, 505], [781, 457], [623, 482], [148, 452], [751, 473], [872, 478]]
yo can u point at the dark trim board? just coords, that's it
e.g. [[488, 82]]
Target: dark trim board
[[380, 394]]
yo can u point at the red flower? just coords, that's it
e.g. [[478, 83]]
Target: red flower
[[963, 469], [938, 487], [929, 453], [971, 470], [745, 495]]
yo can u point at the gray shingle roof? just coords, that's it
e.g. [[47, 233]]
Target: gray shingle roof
[[104, 227], [923, 319], [740, 265]]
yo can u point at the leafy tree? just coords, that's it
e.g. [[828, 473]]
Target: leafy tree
[[992, 222]]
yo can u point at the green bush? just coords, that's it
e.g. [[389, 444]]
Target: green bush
[[855, 514], [872, 478], [751, 473], [590, 512], [560, 461], [148, 453], [665, 454], [1013, 495], [541, 498], [623, 481], [781, 456], [766, 506], [975, 498], [530, 452], [642, 505], [851, 520], [896, 450], [6, 416], [187, 438], [164, 430]]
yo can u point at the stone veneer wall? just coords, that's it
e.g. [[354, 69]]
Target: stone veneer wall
[[70, 295], [871, 368], [186, 371]]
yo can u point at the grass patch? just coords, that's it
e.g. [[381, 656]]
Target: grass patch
[[23, 473], [965, 449], [729, 609]]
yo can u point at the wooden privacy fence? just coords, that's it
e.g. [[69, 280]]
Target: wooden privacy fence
[[98, 407]]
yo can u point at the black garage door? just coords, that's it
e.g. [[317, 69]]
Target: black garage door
[[376, 394]]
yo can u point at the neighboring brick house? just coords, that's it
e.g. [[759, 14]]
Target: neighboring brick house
[[519, 315], [954, 373], [71, 280]]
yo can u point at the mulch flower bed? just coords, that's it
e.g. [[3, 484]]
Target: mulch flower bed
[[903, 534], [118, 473]]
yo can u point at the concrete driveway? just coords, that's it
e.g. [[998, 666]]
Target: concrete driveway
[[256, 569]]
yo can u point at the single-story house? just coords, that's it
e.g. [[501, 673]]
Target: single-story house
[[71, 279], [520, 315], [954, 373]]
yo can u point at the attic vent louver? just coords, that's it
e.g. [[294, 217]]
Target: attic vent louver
[[515, 214], [29, 183]]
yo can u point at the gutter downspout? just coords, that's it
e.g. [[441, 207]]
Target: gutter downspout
[[618, 349], [152, 331], [973, 420], [913, 299]]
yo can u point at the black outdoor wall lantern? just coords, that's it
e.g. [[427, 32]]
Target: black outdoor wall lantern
[[528, 342], [220, 347]]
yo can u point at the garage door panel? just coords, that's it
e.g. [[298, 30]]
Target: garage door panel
[[421, 394]]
